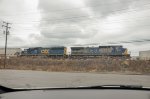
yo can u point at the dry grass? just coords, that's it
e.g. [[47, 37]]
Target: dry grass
[[68, 65]]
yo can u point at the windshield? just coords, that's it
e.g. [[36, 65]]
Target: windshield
[[67, 43]]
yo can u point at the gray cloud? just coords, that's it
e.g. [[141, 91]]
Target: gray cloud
[[12, 7], [100, 21], [66, 31], [66, 22], [107, 7], [9, 9], [58, 11]]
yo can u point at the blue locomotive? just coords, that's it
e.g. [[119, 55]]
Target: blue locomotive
[[77, 51], [40, 51], [99, 51]]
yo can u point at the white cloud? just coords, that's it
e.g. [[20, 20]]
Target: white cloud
[[65, 22], [20, 13]]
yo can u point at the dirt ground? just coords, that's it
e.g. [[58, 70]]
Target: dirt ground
[[77, 65]]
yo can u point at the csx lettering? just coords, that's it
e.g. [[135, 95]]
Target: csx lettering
[[106, 50], [44, 51]]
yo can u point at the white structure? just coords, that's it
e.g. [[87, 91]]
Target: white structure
[[144, 55], [135, 58], [11, 52]]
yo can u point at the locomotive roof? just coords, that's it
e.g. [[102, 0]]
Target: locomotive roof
[[112, 46], [97, 47], [46, 47]]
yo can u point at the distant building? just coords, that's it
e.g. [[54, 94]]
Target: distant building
[[135, 58], [144, 55], [11, 52]]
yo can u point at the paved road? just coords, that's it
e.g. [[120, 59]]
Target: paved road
[[28, 79]]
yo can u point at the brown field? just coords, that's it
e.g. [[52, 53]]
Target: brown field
[[76, 65]]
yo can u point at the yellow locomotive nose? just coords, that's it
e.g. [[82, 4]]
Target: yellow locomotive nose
[[65, 51], [125, 52], [45, 51]]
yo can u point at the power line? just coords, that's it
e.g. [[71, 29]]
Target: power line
[[30, 29], [129, 20], [6, 26], [63, 10], [70, 18], [116, 42], [83, 16]]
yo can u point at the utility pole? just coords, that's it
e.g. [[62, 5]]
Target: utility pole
[[6, 32]]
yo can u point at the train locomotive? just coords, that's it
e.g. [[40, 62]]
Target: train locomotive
[[99, 51], [47, 52], [76, 52]]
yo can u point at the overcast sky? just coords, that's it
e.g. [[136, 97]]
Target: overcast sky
[[48, 23]]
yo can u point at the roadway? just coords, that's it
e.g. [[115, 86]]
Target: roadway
[[28, 79]]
